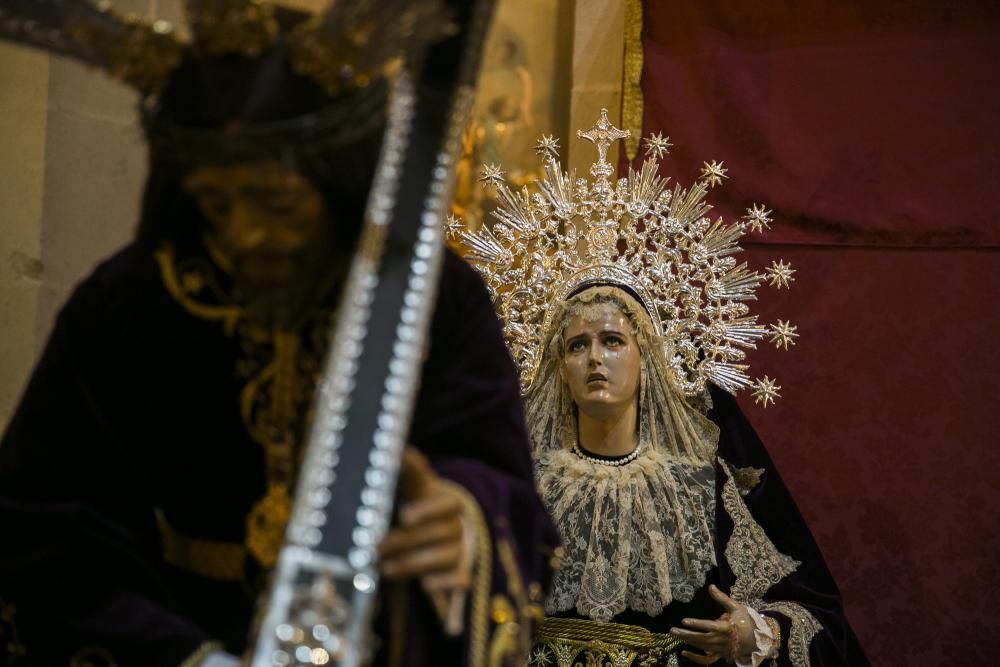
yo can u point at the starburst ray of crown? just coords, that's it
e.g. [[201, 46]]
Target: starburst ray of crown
[[635, 232]]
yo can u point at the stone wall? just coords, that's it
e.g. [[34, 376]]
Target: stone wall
[[23, 116], [72, 166]]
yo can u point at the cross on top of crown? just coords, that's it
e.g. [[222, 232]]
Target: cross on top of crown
[[602, 135]]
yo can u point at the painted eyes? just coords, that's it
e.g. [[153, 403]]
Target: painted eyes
[[608, 340]]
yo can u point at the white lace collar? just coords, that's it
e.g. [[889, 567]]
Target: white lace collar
[[636, 536]]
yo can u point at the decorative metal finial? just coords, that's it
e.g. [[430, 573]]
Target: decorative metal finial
[[602, 135]]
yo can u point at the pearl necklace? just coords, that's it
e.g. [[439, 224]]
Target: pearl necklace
[[615, 462]]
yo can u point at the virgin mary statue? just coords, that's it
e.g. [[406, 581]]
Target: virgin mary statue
[[626, 312]]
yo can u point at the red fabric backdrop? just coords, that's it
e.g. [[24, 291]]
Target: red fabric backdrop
[[871, 130]]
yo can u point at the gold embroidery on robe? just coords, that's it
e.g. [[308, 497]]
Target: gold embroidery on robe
[[747, 479], [574, 642], [280, 369], [10, 641], [93, 656], [516, 613], [504, 642], [214, 559], [755, 561], [758, 566]]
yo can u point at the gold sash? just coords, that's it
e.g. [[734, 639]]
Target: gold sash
[[213, 559], [571, 642]]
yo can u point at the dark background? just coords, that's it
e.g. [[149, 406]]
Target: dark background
[[870, 128]]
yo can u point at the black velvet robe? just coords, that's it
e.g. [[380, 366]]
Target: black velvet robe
[[134, 409], [771, 506]]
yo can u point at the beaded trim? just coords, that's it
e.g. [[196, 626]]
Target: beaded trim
[[614, 462]]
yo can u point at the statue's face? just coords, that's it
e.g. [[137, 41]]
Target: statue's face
[[601, 360], [268, 223]]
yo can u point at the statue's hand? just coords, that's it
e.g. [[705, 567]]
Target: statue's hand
[[429, 541], [728, 637]]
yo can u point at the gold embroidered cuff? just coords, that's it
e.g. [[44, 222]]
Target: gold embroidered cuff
[[776, 631], [803, 626], [479, 598]]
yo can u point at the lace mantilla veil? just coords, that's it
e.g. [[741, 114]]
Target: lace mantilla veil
[[636, 536]]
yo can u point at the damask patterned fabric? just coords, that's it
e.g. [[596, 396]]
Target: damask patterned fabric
[[858, 122], [871, 131]]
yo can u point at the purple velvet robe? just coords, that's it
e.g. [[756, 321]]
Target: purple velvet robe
[[134, 409]]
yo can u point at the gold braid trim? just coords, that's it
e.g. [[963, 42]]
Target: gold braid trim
[[228, 315], [563, 642], [581, 629], [196, 658], [399, 608], [480, 594], [517, 630], [632, 101], [213, 559]]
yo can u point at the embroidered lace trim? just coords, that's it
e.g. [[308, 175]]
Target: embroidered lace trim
[[636, 536], [804, 628], [755, 561], [758, 565]]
